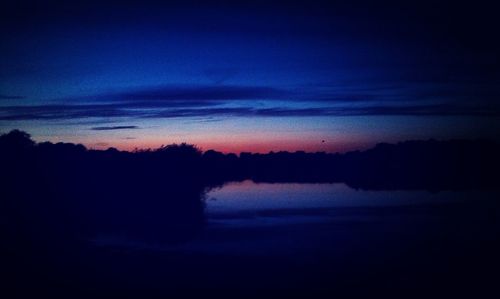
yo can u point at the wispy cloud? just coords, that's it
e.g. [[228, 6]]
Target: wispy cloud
[[114, 128], [49, 112], [171, 96], [10, 97], [225, 100], [182, 93], [123, 110]]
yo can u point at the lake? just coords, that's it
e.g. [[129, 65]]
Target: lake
[[287, 238], [240, 206]]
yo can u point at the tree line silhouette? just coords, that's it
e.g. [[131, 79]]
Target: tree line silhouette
[[429, 164], [45, 184], [55, 197]]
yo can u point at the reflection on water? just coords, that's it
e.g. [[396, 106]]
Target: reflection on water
[[302, 219], [279, 218], [247, 195], [322, 240], [283, 240]]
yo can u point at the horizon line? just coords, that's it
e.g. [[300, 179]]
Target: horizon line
[[201, 150]]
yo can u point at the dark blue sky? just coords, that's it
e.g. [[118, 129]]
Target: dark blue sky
[[249, 76]]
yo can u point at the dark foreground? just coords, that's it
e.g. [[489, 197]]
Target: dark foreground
[[61, 203], [425, 251]]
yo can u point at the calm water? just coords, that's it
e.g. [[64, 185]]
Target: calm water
[[315, 240], [250, 196], [277, 218]]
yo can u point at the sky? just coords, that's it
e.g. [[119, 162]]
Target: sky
[[249, 76]]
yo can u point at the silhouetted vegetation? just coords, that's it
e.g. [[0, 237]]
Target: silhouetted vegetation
[[431, 164], [99, 190], [55, 197]]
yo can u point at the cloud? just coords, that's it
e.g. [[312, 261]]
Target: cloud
[[358, 92], [10, 97], [200, 93], [183, 95], [219, 101], [114, 128], [171, 96], [48, 112], [68, 112]]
